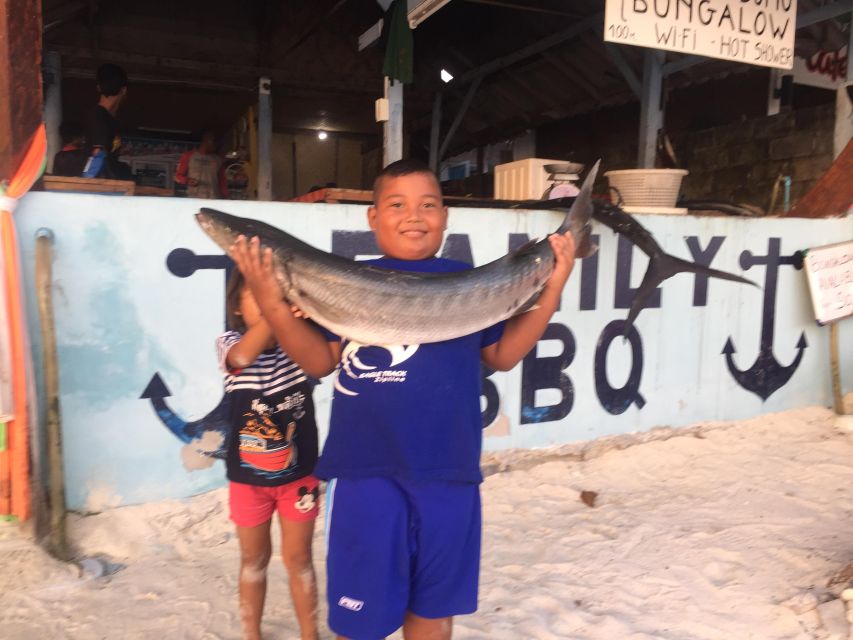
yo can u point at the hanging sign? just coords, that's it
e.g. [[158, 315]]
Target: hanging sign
[[829, 270], [759, 32]]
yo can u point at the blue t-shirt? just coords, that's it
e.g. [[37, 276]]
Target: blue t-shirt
[[408, 411]]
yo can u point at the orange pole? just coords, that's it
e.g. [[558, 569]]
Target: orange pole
[[17, 454], [17, 460]]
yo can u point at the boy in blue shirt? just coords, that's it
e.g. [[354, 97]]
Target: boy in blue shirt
[[403, 450]]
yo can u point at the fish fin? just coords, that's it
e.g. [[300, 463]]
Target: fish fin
[[663, 266], [579, 216], [668, 266], [651, 280]]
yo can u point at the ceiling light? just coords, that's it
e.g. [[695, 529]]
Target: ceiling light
[[322, 135], [445, 75]]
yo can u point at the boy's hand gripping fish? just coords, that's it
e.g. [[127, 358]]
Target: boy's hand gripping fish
[[372, 305]]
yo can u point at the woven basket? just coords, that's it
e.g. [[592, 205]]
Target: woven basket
[[647, 187]]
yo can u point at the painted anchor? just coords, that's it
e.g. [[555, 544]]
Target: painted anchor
[[215, 421], [183, 263], [766, 375]]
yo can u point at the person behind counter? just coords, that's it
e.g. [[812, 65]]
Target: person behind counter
[[201, 170], [102, 141]]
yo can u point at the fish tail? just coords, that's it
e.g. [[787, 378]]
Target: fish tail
[[578, 220], [663, 266]]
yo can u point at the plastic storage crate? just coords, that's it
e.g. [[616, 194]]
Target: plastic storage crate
[[523, 179]]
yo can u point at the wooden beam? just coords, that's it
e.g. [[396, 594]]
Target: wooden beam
[[826, 12], [526, 7], [64, 13], [538, 47], [565, 68], [92, 22], [627, 72], [683, 63], [318, 21], [20, 79], [553, 103], [458, 119], [583, 74], [507, 95], [266, 21], [216, 71]]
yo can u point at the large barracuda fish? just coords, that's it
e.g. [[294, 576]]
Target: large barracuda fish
[[372, 305]]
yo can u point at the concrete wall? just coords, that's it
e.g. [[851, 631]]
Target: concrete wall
[[139, 293], [742, 161], [720, 133]]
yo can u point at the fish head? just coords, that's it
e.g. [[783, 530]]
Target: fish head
[[224, 229]]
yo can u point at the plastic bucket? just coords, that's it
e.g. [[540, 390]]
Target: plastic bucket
[[647, 187]]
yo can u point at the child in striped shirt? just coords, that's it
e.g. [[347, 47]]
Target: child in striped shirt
[[272, 450]]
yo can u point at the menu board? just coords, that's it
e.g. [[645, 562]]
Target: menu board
[[829, 271]]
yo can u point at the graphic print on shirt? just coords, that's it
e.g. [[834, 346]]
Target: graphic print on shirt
[[369, 362], [263, 447]]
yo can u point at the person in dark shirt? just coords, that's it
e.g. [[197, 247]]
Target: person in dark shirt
[[102, 132], [71, 159]]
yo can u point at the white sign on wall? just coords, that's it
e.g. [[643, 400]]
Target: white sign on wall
[[830, 274], [759, 32]]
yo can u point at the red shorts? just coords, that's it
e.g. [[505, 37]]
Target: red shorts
[[251, 505]]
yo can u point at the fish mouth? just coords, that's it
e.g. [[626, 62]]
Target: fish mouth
[[204, 221], [218, 232]]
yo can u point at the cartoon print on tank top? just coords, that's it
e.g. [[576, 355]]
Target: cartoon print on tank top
[[263, 446]]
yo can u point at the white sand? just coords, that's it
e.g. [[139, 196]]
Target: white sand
[[723, 531]]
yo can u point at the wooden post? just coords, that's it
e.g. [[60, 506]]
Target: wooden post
[[835, 370], [52, 104], [393, 127], [20, 79], [56, 541], [264, 139], [435, 133], [651, 112]]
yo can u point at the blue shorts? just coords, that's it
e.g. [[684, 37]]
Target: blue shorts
[[395, 546]]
